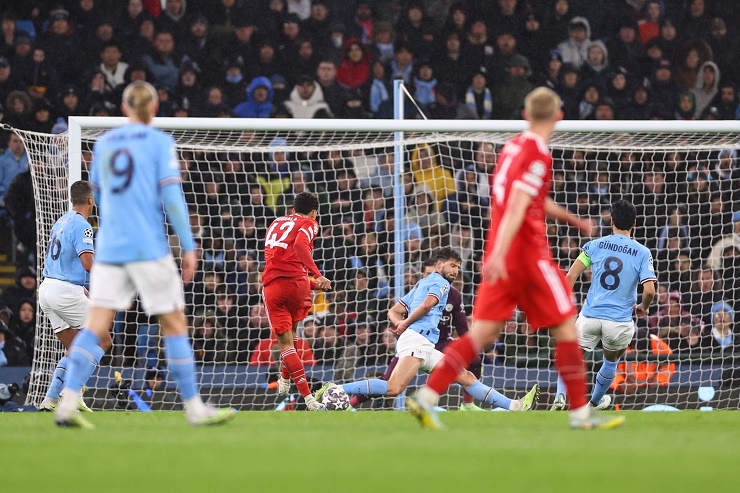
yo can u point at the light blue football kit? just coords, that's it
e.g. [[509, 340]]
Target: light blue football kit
[[70, 237], [136, 178], [618, 264]]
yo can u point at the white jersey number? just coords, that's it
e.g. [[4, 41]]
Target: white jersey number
[[272, 240]]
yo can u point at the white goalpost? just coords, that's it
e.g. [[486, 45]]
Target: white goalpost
[[391, 192]]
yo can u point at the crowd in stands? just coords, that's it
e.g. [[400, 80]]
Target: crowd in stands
[[475, 59]]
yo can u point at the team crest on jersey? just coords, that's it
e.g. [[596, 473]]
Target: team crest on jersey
[[448, 307], [537, 168]]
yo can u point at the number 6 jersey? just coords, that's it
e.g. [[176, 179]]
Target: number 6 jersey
[[289, 248], [618, 264]]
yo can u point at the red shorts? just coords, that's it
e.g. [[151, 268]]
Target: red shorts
[[539, 289], [287, 302]]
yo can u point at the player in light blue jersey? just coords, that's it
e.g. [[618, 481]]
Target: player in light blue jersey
[[62, 294], [416, 319], [618, 265], [136, 174]]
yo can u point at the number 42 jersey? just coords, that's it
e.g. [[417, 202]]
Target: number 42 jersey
[[618, 264], [289, 248]]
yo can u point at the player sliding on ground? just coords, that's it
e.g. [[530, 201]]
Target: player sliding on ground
[[287, 289], [519, 271], [618, 265], [135, 175], [416, 318], [62, 295]]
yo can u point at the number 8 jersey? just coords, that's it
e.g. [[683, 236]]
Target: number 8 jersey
[[289, 248], [618, 264]]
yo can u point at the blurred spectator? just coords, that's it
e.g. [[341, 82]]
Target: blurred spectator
[[383, 45], [575, 48], [454, 62], [714, 260], [427, 171], [726, 101], [706, 86], [649, 25], [695, 54], [8, 80], [164, 62], [307, 100], [664, 88], [61, 47], [416, 31], [478, 97], [19, 340], [13, 162], [354, 70], [402, 65], [424, 85], [380, 86], [447, 105], [19, 202], [508, 96], [721, 334], [596, 65], [259, 100]]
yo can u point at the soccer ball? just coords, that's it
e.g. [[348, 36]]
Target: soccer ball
[[335, 399]]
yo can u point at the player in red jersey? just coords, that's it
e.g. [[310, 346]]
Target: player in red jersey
[[286, 288], [518, 269]]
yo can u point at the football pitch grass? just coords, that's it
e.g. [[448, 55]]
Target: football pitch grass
[[381, 452]]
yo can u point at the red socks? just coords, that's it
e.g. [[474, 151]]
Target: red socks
[[458, 356], [572, 369], [284, 372], [294, 367]]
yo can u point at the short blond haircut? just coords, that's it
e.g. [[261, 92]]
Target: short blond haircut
[[138, 98], [542, 104]]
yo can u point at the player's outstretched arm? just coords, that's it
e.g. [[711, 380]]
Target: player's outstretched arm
[[562, 214]]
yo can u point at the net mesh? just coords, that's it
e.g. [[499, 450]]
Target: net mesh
[[685, 186]]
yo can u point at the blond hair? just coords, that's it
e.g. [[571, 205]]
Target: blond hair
[[542, 104], [138, 98]]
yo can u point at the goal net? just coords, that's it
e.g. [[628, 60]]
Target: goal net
[[685, 186]]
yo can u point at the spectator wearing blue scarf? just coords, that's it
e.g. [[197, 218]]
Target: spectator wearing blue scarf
[[425, 84]]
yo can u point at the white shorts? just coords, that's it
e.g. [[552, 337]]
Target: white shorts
[[158, 283], [614, 336], [64, 303], [412, 343]]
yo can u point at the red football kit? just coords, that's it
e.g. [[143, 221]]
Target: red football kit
[[288, 261], [535, 283]]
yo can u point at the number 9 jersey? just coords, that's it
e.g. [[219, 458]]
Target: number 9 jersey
[[131, 166], [289, 248]]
